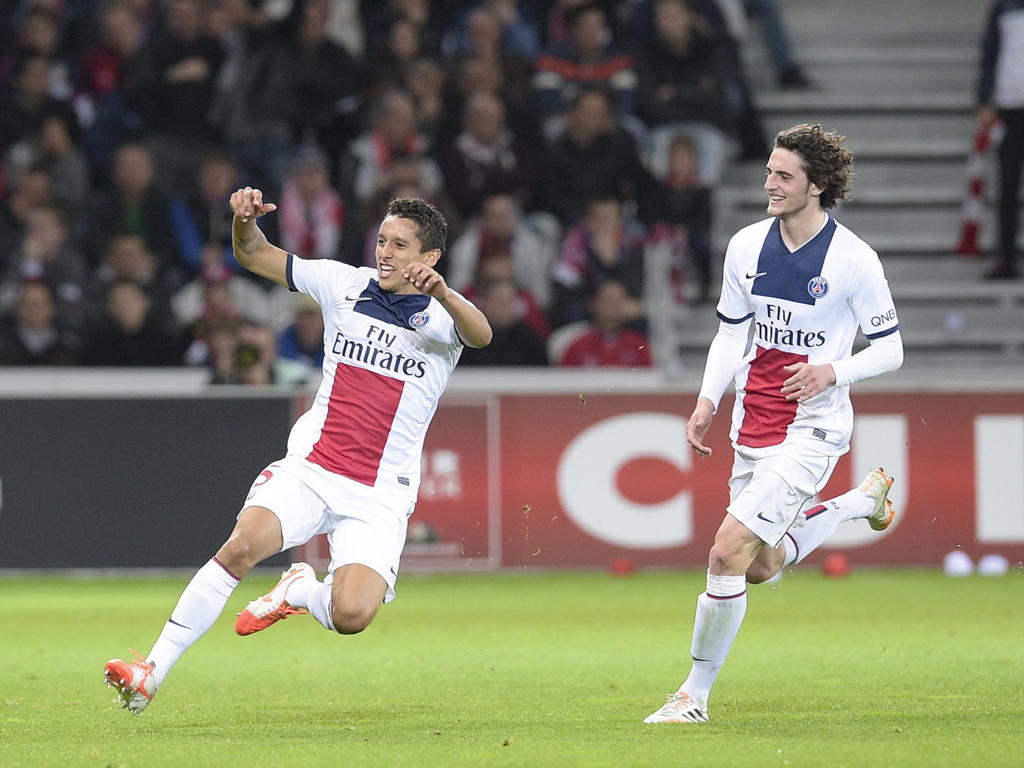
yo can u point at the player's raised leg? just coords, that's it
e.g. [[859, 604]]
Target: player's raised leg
[[869, 500], [256, 536]]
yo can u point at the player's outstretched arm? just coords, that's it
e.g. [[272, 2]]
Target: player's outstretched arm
[[472, 325], [251, 247]]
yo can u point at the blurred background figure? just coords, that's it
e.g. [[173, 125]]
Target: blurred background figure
[[592, 157], [126, 257], [134, 204], [500, 231], [610, 339], [311, 212], [603, 246], [394, 134], [1001, 98], [682, 215], [201, 217], [172, 85], [31, 335], [129, 333], [683, 88], [586, 58], [486, 158], [514, 341], [45, 254], [303, 340]]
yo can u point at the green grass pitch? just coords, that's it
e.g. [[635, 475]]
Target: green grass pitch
[[882, 668]]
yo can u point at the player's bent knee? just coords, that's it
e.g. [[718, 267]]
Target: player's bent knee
[[759, 573], [237, 555], [352, 620]]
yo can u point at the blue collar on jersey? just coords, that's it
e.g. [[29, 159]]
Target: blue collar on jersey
[[785, 274], [393, 308]]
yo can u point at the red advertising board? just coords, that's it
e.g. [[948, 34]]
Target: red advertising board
[[571, 480]]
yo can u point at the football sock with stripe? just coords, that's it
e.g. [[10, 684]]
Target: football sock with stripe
[[198, 607], [822, 521], [318, 602], [720, 612]]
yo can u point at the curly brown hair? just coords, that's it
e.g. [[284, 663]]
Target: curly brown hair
[[431, 226], [825, 160]]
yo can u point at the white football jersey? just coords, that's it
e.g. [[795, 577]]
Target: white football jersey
[[806, 306], [387, 360]]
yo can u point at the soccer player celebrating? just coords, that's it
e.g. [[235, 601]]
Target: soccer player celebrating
[[805, 283], [392, 337]]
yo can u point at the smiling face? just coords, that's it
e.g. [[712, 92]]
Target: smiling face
[[398, 246], [790, 192]]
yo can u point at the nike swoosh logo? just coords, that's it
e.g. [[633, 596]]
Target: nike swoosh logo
[[358, 298], [756, 274], [760, 516]]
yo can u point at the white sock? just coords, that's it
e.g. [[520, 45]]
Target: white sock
[[720, 613], [198, 607], [822, 521], [318, 601]]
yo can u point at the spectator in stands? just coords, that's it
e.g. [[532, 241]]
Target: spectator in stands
[[312, 214], [684, 77], [173, 87], [256, 111], [682, 215], [486, 158], [133, 204], [611, 340], [390, 65], [303, 340], [586, 59], [256, 356], [126, 257], [531, 244], [514, 341], [102, 72], [484, 40], [1001, 97], [773, 29], [593, 157], [498, 267], [325, 85], [603, 246], [379, 18], [130, 334], [53, 149], [33, 336], [28, 189], [393, 134], [27, 101], [517, 33], [46, 254], [202, 217], [409, 176], [425, 82], [217, 291]]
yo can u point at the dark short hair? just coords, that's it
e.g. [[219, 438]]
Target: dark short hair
[[825, 160], [431, 227]]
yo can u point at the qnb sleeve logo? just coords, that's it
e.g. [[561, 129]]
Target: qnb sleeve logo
[[589, 486]]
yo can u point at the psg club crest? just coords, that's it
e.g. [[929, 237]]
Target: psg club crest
[[817, 287], [419, 319]]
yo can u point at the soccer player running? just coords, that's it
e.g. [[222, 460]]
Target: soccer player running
[[806, 283], [393, 335]]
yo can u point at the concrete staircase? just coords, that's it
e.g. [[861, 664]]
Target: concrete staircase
[[898, 79]]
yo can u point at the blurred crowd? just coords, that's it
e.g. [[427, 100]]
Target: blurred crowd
[[561, 138]]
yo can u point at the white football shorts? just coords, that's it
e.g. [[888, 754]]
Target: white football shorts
[[364, 525], [769, 494]]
